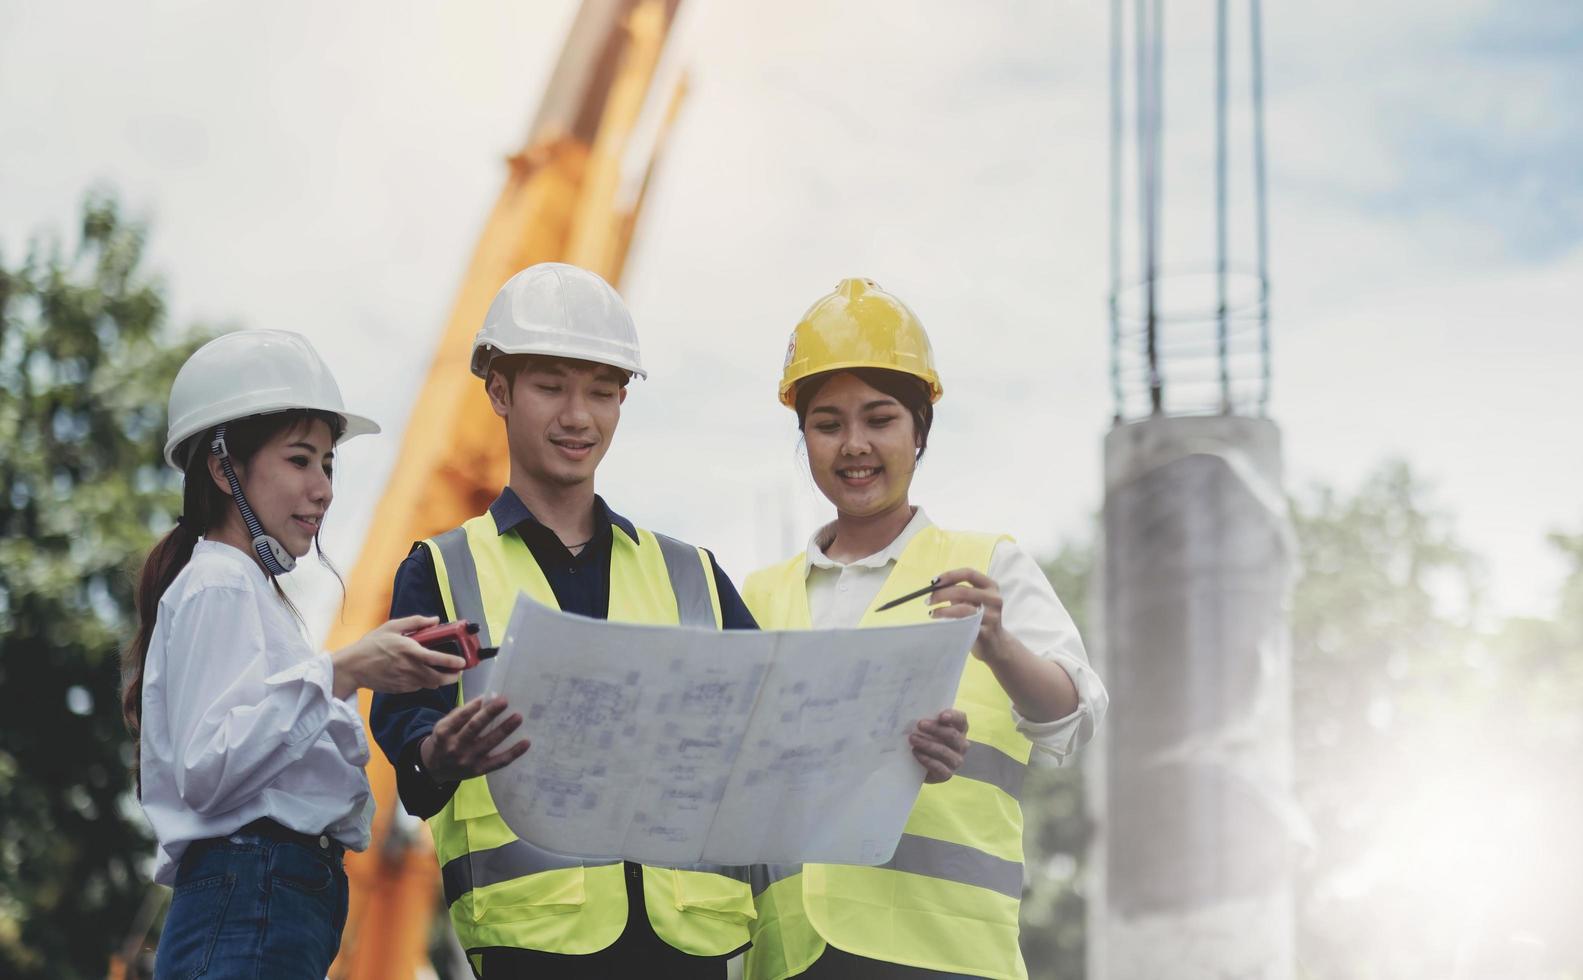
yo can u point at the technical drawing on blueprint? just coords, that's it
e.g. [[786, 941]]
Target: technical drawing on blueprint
[[674, 745]]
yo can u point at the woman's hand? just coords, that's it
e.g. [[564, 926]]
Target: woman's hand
[[463, 744], [939, 744], [1040, 690], [387, 661], [967, 590]]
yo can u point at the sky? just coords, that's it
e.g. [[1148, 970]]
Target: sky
[[326, 168]]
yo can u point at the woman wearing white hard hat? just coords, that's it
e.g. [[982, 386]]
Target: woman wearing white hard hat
[[250, 746], [860, 375]]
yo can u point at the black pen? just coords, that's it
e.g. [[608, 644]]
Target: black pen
[[909, 596]]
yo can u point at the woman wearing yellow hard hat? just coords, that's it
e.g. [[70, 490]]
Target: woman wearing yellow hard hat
[[861, 376]]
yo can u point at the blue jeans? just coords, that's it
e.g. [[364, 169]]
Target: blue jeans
[[249, 907]]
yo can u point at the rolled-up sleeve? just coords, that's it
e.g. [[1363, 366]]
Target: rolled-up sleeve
[[1033, 613], [234, 725]]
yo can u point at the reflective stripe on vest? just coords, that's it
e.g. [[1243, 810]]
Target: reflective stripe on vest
[[988, 764], [479, 869], [929, 857], [503, 891], [948, 899], [467, 598], [689, 581], [466, 594]]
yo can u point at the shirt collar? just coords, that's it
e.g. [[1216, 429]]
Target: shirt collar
[[815, 557], [205, 546], [509, 511]]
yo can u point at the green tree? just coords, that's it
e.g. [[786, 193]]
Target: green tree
[[1399, 685], [1431, 742], [86, 363], [1382, 618], [1058, 825]]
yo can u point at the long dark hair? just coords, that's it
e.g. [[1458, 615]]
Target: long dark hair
[[204, 505], [911, 392]]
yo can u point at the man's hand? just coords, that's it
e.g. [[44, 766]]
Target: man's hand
[[939, 743], [460, 747]]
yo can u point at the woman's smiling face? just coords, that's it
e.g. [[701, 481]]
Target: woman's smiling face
[[862, 447], [288, 483]]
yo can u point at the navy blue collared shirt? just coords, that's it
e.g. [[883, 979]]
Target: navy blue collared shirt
[[581, 584]]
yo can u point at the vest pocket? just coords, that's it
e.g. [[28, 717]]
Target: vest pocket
[[712, 895], [542, 894], [508, 879]]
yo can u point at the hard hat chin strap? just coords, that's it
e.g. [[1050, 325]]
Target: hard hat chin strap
[[274, 556]]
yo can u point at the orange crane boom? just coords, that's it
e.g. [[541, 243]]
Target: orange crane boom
[[570, 196]]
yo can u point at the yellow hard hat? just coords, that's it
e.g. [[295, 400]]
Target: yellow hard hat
[[858, 326]]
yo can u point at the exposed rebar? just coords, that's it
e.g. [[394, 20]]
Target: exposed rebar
[[1261, 209], [1221, 245], [1115, 205], [1154, 302]]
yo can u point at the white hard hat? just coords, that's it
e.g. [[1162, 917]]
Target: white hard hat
[[252, 372], [558, 310]]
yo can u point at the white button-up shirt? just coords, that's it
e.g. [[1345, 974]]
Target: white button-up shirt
[[840, 593], [240, 720]]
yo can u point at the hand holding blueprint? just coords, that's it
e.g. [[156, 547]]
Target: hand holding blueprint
[[677, 745]]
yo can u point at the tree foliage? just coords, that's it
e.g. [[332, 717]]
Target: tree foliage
[[1058, 825], [1431, 745], [86, 363], [1428, 739], [1381, 618]]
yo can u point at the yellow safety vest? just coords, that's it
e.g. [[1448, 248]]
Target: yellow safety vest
[[948, 900], [503, 891]]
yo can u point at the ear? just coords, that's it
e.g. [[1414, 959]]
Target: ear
[[217, 474], [499, 388], [621, 395]]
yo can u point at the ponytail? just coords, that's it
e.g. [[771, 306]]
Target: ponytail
[[165, 561], [168, 557]]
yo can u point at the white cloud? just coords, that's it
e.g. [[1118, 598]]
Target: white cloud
[[326, 168]]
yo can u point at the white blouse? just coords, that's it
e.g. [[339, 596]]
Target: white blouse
[[839, 594], [240, 720]]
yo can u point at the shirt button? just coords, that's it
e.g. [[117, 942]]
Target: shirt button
[[324, 841]]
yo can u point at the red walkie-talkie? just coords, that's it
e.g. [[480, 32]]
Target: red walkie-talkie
[[458, 639]]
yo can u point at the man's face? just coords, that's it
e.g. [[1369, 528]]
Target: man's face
[[560, 417]]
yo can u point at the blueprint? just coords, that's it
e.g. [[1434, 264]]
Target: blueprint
[[677, 745]]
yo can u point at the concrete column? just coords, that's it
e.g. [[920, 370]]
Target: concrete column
[[1192, 790]]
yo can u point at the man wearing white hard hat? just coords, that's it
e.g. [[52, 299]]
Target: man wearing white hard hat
[[250, 750], [556, 352]]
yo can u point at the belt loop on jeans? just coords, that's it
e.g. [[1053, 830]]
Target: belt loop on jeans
[[272, 830]]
